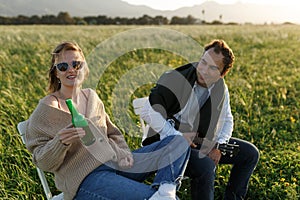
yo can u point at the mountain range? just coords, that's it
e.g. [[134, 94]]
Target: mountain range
[[208, 11]]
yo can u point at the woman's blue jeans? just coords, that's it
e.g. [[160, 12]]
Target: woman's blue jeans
[[168, 158]]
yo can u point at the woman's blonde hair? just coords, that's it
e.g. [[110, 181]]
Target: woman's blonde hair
[[54, 82]]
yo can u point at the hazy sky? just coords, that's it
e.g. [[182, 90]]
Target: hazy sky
[[174, 4]]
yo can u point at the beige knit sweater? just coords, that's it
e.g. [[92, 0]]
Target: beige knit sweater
[[71, 164]]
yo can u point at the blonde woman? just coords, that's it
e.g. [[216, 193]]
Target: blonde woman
[[110, 170]]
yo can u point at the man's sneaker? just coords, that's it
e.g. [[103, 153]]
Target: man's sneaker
[[157, 196]]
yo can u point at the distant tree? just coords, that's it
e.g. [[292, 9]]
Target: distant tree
[[183, 20], [216, 22], [34, 20], [48, 19], [79, 21], [160, 20], [21, 19], [144, 20], [64, 18], [232, 23], [102, 19], [190, 19], [175, 20], [122, 21], [5, 20], [90, 20]]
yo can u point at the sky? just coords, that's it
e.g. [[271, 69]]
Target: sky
[[175, 4]]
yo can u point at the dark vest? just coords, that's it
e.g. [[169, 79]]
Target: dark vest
[[171, 94]]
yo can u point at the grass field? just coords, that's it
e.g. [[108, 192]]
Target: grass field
[[264, 87]]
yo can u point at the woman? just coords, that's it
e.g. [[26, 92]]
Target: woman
[[107, 169]]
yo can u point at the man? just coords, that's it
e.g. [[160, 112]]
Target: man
[[193, 101]]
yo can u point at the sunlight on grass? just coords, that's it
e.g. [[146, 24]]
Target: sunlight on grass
[[264, 87]]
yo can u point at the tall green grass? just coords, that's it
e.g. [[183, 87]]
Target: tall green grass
[[264, 87]]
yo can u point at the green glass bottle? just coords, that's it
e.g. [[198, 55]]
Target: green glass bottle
[[78, 120]]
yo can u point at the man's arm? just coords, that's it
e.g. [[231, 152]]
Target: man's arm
[[226, 121], [160, 125], [157, 122]]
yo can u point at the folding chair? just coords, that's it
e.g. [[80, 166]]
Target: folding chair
[[138, 104], [21, 129]]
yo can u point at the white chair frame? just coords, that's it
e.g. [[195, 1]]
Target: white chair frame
[[22, 130]]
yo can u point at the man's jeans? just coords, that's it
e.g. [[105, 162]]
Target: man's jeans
[[168, 158], [202, 172]]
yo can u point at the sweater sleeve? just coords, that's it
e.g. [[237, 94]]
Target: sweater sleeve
[[117, 140], [47, 152]]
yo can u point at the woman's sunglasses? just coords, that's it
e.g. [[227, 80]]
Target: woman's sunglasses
[[77, 65]]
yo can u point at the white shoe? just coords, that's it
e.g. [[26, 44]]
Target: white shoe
[[165, 192], [157, 196]]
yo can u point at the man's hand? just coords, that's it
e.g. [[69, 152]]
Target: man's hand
[[189, 136], [215, 155]]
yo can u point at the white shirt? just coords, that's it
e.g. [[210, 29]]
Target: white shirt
[[159, 124]]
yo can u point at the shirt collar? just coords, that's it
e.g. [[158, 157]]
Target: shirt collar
[[209, 89]]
